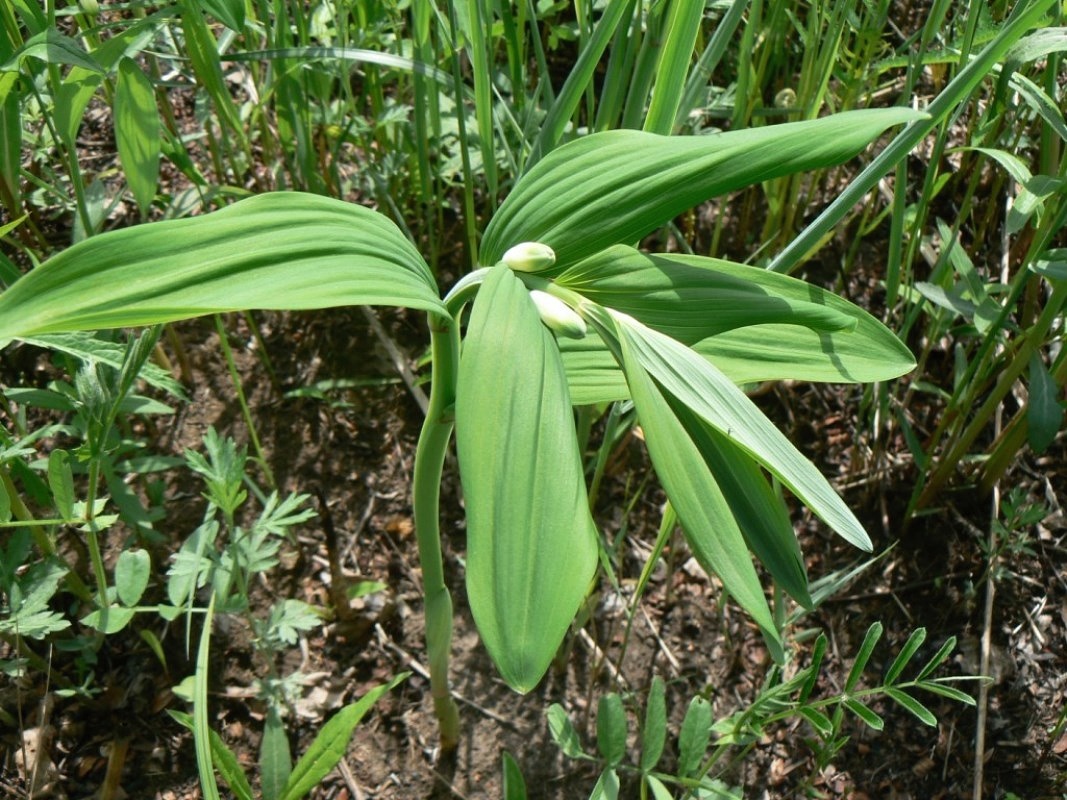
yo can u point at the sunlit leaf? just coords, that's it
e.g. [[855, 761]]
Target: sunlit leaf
[[614, 187], [286, 250], [531, 544]]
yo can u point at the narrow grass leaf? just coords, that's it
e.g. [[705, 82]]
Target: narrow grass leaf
[[697, 384], [675, 55], [654, 731], [694, 736], [611, 729], [1044, 413], [514, 783], [864, 712], [201, 726], [709, 526], [137, 132], [225, 760], [230, 13], [285, 250], [578, 79], [907, 652], [331, 742], [614, 187], [531, 543], [874, 633], [912, 706], [11, 149], [275, 761]]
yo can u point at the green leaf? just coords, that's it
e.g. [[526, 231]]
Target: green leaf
[[61, 482], [862, 711], [131, 575], [694, 737], [699, 386], [611, 729], [137, 132], [709, 525], [912, 706], [607, 786], [563, 732], [110, 620], [286, 250], [918, 636], [275, 762], [950, 692], [692, 298], [654, 731], [819, 721], [659, 791], [531, 543], [331, 742], [52, 47], [614, 187], [223, 757], [230, 13], [759, 511], [938, 658], [514, 784], [1044, 414], [874, 633]]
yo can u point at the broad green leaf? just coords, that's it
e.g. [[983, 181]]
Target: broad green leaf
[[331, 742], [654, 731], [61, 482], [613, 187], [52, 47], [699, 386], [690, 299], [675, 55], [11, 148], [563, 732], [759, 511], [1044, 413], [110, 620], [224, 759], [607, 786], [694, 737], [137, 132], [611, 729], [531, 544], [514, 784], [285, 250], [709, 525], [131, 575], [275, 761], [81, 83]]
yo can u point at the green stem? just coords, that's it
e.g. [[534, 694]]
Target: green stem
[[426, 489]]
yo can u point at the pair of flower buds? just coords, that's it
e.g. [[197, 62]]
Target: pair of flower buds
[[555, 314]]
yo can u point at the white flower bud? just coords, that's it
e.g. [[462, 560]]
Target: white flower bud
[[529, 257], [557, 315]]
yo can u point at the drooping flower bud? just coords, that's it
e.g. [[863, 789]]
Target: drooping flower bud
[[529, 257], [557, 315]]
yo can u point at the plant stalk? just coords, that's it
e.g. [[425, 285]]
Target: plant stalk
[[426, 490]]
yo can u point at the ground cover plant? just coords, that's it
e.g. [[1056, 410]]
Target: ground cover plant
[[553, 165]]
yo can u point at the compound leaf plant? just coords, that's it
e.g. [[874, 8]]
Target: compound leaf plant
[[565, 312]]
